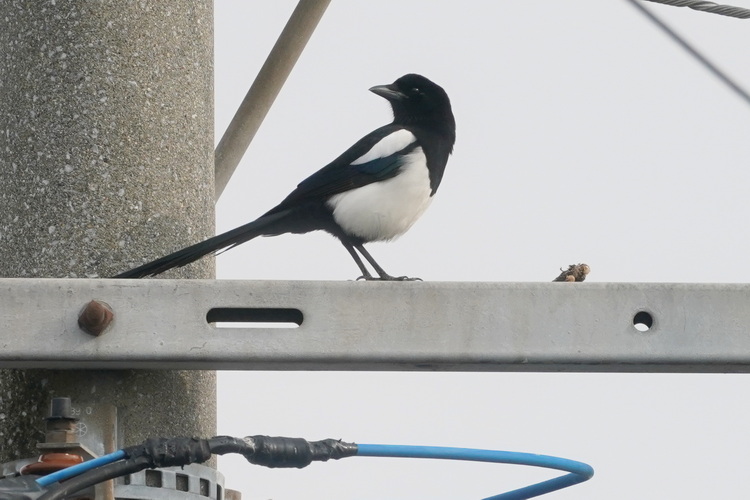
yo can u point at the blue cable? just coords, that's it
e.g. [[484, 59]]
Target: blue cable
[[74, 470], [578, 471]]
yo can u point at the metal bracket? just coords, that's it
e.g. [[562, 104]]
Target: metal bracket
[[456, 326]]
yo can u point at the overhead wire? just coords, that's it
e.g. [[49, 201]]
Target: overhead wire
[[692, 50], [713, 8]]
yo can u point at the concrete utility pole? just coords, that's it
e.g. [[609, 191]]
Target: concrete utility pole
[[106, 160]]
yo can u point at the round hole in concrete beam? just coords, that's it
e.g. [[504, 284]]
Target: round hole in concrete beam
[[643, 321]]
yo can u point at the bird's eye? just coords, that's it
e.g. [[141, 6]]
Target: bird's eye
[[416, 90]]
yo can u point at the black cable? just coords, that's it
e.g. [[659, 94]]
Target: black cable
[[162, 452], [692, 50], [96, 476]]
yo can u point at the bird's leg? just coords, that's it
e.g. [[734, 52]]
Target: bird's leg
[[384, 276], [365, 273]]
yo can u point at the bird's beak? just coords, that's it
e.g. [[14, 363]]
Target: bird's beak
[[389, 92]]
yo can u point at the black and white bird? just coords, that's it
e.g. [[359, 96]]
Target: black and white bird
[[374, 191]]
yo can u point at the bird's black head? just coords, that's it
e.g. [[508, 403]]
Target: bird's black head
[[418, 101]]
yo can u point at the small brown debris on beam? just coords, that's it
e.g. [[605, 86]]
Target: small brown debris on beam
[[574, 272]]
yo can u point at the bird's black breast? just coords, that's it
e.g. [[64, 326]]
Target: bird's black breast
[[437, 148]]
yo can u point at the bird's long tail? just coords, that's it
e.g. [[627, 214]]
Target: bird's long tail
[[269, 224]]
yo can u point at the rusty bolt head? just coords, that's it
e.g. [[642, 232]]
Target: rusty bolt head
[[95, 317]]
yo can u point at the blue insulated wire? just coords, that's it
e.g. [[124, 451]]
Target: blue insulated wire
[[578, 471], [74, 470]]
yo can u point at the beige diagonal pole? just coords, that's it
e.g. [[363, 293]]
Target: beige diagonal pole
[[265, 88]]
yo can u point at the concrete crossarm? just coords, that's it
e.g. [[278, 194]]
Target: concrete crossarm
[[443, 326]]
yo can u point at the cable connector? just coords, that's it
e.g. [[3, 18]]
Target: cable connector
[[277, 452]]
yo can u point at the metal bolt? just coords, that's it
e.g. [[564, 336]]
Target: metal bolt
[[95, 317], [60, 408], [61, 422]]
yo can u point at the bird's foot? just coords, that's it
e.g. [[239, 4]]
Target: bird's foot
[[402, 278], [387, 277]]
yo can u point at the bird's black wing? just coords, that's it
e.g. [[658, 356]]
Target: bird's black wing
[[345, 173]]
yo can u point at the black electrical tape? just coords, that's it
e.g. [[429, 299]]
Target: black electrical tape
[[221, 445], [294, 452], [163, 452], [332, 449]]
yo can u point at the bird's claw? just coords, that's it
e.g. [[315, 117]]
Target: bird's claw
[[387, 277], [403, 278]]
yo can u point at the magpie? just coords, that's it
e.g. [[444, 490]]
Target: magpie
[[374, 191]]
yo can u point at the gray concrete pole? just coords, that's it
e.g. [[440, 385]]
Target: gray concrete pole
[[106, 160]]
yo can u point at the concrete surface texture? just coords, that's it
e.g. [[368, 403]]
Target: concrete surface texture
[[106, 161]]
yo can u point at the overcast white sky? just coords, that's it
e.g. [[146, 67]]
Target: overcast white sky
[[584, 135]]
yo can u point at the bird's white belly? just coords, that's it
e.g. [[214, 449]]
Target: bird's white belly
[[385, 210]]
